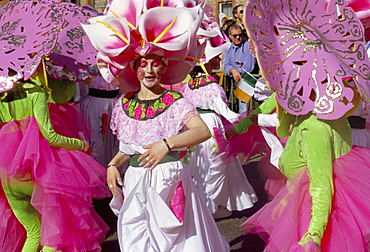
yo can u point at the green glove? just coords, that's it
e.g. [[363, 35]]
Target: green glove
[[265, 108]]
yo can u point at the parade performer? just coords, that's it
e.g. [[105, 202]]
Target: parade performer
[[97, 100], [48, 181], [219, 178], [312, 54], [146, 43]]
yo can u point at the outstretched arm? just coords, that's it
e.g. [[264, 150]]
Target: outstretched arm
[[41, 113], [265, 108]]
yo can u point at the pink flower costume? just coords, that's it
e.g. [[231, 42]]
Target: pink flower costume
[[158, 210], [48, 182], [313, 56], [219, 177], [156, 227]]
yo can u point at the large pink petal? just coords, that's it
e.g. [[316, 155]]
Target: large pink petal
[[179, 36], [124, 78], [29, 31], [74, 57], [305, 50], [106, 41], [130, 9]]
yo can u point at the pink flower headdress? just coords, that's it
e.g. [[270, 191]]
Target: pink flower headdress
[[74, 57], [311, 53], [133, 28], [29, 31]]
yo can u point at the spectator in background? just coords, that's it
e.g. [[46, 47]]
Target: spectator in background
[[227, 24], [238, 59], [238, 16]]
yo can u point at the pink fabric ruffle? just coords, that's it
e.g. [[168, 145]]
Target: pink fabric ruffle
[[175, 117], [249, 144], [68, 120], [283, 221], [177, 205], [200, 97], [65, 184]]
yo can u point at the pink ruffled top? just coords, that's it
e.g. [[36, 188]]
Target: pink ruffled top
[[143, 122], [202, 91]]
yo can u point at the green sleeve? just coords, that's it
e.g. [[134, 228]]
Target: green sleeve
[[265, 108], [41, 113], [317, 150]]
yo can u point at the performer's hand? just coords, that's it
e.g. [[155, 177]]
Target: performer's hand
[[88, 149], [156, 153], [113, 178]]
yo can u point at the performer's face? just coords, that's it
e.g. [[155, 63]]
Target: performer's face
[[149, 70]]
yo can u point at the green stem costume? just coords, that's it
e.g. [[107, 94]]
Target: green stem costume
[[24, 100], [314, 144]]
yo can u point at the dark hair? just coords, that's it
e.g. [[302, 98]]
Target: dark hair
[[235, 9], [232, 27], [228, 24]]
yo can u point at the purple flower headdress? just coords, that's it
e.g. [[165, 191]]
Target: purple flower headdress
[[74, 57], [29, 31], [311, 53], [133, 28]]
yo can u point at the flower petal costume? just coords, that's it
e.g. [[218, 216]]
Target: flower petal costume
[[73, 57], [312, 54], [158, 30], [305, 58], [161, 209]]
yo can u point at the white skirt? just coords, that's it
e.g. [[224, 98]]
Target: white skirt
[[146, 223], [220, 179]]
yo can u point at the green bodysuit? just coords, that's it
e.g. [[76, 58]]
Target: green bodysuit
[[314, 144]]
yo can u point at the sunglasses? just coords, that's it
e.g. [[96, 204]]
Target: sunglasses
[[241, 11], [237, 35]]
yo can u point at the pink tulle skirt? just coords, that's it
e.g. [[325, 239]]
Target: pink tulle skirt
[[68, 120], [283, 221], [12, 233], [65, 184]]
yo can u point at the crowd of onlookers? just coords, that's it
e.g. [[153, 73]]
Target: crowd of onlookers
[[237, 60]]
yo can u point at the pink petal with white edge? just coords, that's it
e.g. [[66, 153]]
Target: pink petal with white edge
[[104, 39], [126, 80], [130, 9], [153, 22]]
